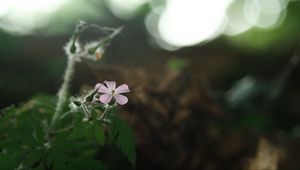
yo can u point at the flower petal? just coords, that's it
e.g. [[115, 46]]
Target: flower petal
[[105, 98], [111, 85], [103, 89], [97, 86], [122, 89], [121, 99]]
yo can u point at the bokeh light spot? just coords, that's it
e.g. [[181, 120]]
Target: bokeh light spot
[[23, 17]]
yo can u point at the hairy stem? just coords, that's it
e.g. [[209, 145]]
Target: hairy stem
[[62, 94], [104, 113], [86, 111]]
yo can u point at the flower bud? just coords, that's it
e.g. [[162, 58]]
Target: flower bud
[[72, 47], [94, 50], [75, 103]]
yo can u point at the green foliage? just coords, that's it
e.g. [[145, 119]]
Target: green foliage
[[71, 159], [99, 134], [82, 130], [8, 161], [26, 143], [123, 137]]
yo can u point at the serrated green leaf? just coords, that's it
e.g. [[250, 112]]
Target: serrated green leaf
[[123, 136], [99, 134]]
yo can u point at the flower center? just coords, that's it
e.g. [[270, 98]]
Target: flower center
[[113, 92]]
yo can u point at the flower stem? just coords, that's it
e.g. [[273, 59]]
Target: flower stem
[[104, 113], [62, 94], [86, 111]]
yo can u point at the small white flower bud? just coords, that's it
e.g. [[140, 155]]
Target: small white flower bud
[[75, 103], [94, 51]]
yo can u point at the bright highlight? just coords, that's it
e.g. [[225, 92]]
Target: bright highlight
[[185, 23], [23, 16]]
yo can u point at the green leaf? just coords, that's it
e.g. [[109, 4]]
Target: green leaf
[[22, 131], [60, 160], [99, 134], [8, 111], [40, 106], [88, 164], [10, 145], [10, 161], [55, 160], [32, 159], [123, 137], [83, 130]]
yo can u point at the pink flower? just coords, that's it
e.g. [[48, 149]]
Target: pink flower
[[110, 91]]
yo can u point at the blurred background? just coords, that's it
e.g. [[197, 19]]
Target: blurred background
[[214, 83]]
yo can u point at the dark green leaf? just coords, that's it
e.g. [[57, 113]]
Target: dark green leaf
[[10, 161], [99, 134], [60, 160], [123, 136], [83, 130], [55, 160], [32, 159]]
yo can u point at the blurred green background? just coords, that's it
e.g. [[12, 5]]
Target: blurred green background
[[241, 49], [33, 33]]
